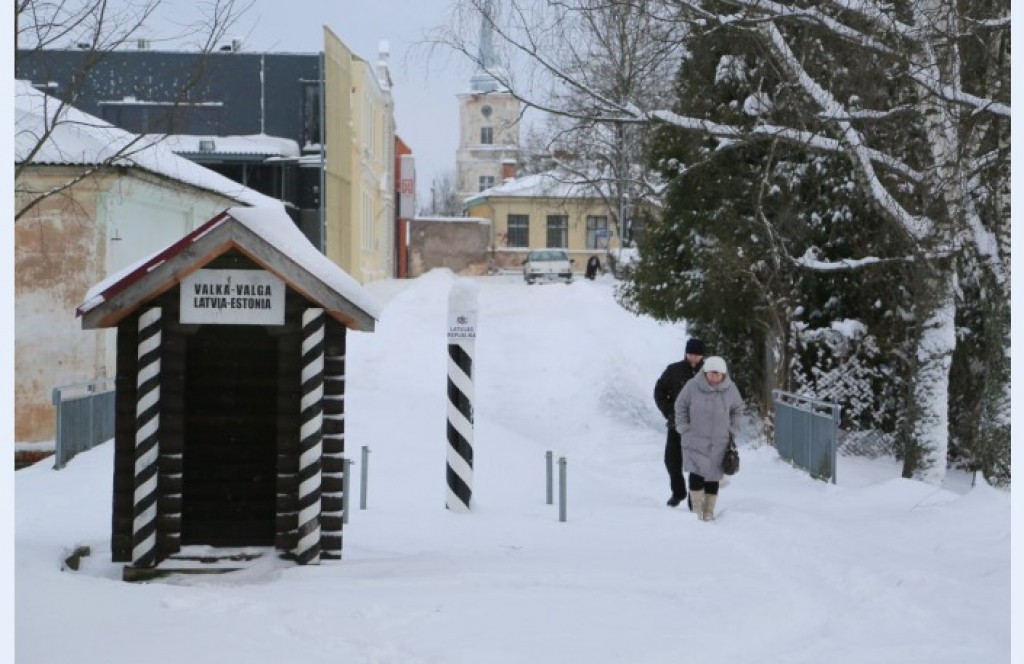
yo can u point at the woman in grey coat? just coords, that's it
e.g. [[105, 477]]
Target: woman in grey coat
[[708, 411]]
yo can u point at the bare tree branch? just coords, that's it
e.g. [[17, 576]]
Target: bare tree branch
[[99, 28]]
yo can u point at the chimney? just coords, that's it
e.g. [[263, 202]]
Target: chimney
[[234, 46], [383, 70], [508, 170]]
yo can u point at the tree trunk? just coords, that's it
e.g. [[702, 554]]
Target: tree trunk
[[936, 342], [937, 339]]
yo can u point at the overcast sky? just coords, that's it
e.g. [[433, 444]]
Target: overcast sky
[[425, 82]]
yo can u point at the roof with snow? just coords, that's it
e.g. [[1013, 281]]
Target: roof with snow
[[455, 220], [550, 184], [256, 145], [47, 131], [268, 237]]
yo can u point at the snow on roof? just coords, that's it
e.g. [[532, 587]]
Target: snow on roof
[[255, 144], [550, 184], [277, 228], [272, 224], [472, 220], [65, 135]]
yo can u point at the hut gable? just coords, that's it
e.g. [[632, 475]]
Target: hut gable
[[268, 237]]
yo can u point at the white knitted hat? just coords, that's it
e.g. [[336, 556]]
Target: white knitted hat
[[715, 363]]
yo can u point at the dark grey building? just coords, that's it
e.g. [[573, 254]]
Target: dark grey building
[[253, 117]]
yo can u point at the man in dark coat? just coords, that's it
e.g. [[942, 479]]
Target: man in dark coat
[[665, 392]]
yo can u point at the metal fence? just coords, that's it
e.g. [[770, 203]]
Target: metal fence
[[806, 433], [85, 418]]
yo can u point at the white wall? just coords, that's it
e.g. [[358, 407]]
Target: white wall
[[142, 218], [65, 249]]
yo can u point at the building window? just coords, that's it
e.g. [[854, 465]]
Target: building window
[[597, 232], [486, 182], [518, 230], [311, 113], [369, 129], [486, 135], [558, 231]]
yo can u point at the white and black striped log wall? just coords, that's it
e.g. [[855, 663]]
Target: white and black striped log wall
[[307, 548], [137, 347], [147, 448], [291, 412], [333, 462], [461, 343]]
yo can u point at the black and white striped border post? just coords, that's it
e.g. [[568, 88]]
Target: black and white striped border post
[[462, 313], [147, 448], [307, 549]]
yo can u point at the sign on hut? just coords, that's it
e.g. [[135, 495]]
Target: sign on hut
[[230, 384]]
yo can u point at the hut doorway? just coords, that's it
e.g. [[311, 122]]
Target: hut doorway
[[230, 433]]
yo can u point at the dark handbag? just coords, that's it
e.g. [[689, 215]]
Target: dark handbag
[[731, 460]]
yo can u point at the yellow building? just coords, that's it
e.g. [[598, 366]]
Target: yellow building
[[542, 211], [359, 164]]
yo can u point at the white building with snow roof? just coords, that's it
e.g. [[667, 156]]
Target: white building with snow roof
[[90, 199]]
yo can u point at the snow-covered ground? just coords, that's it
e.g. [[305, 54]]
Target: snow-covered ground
[[875, 569]]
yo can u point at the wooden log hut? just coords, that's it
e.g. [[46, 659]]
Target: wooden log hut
[[230, 385]]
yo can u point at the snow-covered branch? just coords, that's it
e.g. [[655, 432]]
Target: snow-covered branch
[[881, 18], [759, 11], [812, 260], [991, 23], [864, 114], [737, 135], [877, 15], [916, 226], [956, 95]]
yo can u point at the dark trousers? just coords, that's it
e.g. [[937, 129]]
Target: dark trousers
[[674, 463], [697, 482]]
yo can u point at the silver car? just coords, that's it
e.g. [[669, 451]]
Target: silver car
[[548, 265]]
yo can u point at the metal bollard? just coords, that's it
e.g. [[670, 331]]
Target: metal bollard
[[561, 489], [363, 474], [549, 462], [58, 448], [346, 485]]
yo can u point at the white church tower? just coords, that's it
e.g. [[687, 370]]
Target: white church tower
[[488, 151]]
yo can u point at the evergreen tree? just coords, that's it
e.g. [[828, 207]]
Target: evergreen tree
[[723, 257]]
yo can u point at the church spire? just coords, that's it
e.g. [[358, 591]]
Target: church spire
[[482, 80]]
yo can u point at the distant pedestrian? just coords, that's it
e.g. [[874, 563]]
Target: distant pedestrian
[[707, 414], [666, 390], [593, 267]]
